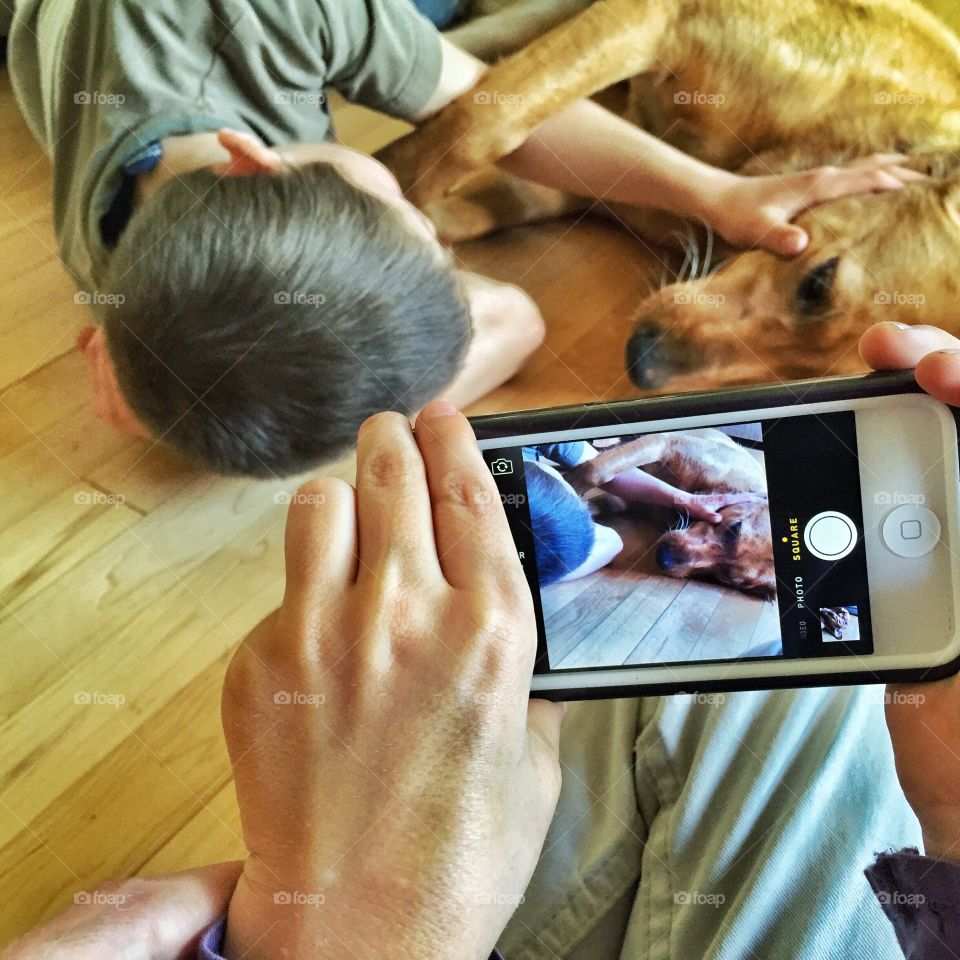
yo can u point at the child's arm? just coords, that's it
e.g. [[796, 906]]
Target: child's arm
[[589, 151], [638, 486]]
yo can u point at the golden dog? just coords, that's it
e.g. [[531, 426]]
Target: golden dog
[[753, 88], [738, 551]]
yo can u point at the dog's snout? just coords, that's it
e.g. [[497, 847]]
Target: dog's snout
[[647, 361], [654, 355], [669, 557]]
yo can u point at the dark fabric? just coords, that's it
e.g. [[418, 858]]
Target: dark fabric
[[921, 898], [441, 13]]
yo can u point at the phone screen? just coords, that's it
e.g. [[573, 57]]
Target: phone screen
[[737, 542]]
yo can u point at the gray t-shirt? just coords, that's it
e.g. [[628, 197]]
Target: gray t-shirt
[[100, 81]]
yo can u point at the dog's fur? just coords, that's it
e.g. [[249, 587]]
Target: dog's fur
[[748, 87], [737, 551]]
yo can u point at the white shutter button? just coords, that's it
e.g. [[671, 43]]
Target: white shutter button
[[830, 535]]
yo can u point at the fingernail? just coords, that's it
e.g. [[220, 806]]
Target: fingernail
[[438, 408], [798, 242], [951, 352], [899, 325]]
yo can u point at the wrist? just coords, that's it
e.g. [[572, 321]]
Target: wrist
[[271, 918], [714, 196], [940, 826]]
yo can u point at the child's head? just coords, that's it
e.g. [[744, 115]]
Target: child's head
[[261, 319], [563, 530]]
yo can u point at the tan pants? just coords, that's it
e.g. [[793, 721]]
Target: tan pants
[[725, 826]]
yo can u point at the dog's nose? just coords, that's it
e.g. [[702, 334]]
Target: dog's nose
[[668, 558], [648, 361]]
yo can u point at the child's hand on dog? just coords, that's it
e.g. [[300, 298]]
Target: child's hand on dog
[[706, 506], [756, 211]]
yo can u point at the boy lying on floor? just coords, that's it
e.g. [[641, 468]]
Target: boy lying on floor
[[261, 289]]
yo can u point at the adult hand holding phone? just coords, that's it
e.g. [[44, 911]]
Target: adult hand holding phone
[[924, 719], [395, 782]]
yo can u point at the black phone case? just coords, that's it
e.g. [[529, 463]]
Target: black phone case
[[829, 389]]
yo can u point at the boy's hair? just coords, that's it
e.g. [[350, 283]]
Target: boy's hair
[[261, 319], [563, 530]]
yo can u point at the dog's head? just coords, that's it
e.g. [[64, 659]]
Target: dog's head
[[760, 317], [736, 552]]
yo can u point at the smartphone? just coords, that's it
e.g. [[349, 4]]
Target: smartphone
[[802, 534]]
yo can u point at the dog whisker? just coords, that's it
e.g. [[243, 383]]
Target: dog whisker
[[708, 254], [684, 271]]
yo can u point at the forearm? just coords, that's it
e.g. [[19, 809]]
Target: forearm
[[591, 152], [638, 486]]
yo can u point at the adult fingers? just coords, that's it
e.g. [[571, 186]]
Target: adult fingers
[[932, 351], [473, 537], [321, 542], [939, 374], [893, 346], [394, 520]]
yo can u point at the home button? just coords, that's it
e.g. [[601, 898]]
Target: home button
[[911, 531]]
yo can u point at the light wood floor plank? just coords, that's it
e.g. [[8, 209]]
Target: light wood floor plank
[[147, 599]]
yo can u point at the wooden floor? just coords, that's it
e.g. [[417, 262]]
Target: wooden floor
[[126, 578]]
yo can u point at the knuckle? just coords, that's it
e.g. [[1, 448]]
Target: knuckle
[[410, 622], [386, 419], [498, 627], [389, 465], [466, 490], [512, 592], [315, 492], [829, 172]]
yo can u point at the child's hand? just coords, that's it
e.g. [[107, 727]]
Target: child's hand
[[395, 781], [924, 718], [705, 506], [756, 211]]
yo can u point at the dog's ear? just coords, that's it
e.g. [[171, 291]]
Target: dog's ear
[[951, 197]]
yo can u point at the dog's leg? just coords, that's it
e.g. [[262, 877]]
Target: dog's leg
[[608, 42], [513, 27], [607, 466], [497, 201]]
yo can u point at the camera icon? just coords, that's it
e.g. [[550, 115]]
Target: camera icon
[[501, 467]]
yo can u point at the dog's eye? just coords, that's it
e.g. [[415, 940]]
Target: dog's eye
[[813, 294], [732, 533]]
